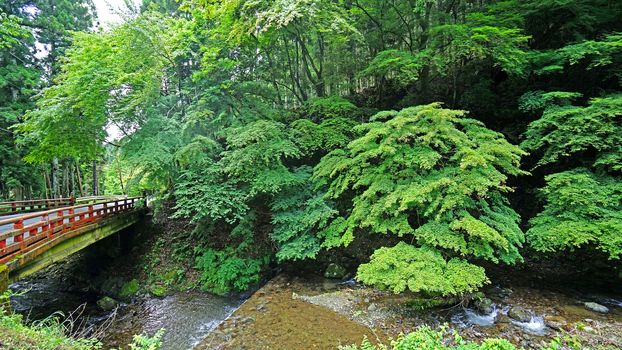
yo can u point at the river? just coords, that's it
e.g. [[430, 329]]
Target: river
[[295, 312]]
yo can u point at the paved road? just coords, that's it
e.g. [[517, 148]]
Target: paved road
[[6, 228]]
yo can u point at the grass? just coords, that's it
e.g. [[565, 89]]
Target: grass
[[43, 335]]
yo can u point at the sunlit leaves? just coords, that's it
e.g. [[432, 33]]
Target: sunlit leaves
[[400, 66], [568, 130], [405, 267], [582, 209], [298, 213], [429, 173]]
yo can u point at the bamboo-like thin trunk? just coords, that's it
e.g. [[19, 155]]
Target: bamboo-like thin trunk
[[79, 175]]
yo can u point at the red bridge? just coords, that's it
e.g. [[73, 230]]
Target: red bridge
[[37, 233]]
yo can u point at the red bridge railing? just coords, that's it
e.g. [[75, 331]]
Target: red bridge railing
[[30, 205], [24, 233], [34, 205]]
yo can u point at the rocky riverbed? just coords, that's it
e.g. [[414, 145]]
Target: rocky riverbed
[[310, 312]]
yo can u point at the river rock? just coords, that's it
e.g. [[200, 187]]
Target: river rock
[[335, 271], [519, 314], [484, 306], [556, 322], [112, 286], [499, 293], [107, 303], [596, 307]]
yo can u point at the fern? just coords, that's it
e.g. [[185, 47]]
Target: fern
[[298, 213]]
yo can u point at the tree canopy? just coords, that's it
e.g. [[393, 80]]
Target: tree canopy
[[414, 140]]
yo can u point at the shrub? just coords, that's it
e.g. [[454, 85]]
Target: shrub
[[436, 176], [224, 270], [144, 342], [425, 338]]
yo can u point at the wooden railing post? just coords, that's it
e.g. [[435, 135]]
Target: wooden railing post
[[47, 227], [61, 221], [91, 213], [19, 225]]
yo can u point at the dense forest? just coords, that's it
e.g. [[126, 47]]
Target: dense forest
[[422, 139]]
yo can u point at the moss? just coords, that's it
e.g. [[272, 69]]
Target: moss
[[429, 303], [129, 288], [157, 290]]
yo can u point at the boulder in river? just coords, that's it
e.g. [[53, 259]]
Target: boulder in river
[[596, 307], [335, 271], [484, 306], [556, 322], [519, 314], [107, 303]]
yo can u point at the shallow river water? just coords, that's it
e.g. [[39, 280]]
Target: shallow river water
[[302, 312], [187, 318]]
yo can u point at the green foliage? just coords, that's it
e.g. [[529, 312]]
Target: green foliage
[[255, 156], [48, 334], [298, 212], [537, 101], [225, 270], [222, 106], [11, 30], [400, 66], [405, 267], [129, 288], [480, 38], [582, 209], [313, 139], [435, 166], [143, 342], [595, 54], [203, 194], [320, 108], [582, 205], [425, 338], [566, 131], [108, 76], [432, 174]]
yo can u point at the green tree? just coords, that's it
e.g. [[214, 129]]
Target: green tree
[[431, 174], [582, 204]]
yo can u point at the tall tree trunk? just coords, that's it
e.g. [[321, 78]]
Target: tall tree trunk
[[79, 175], [48, 184], [55, 184], [120, 177], [95, 184]]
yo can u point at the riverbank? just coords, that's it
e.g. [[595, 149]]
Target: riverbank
[[311, 312]]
